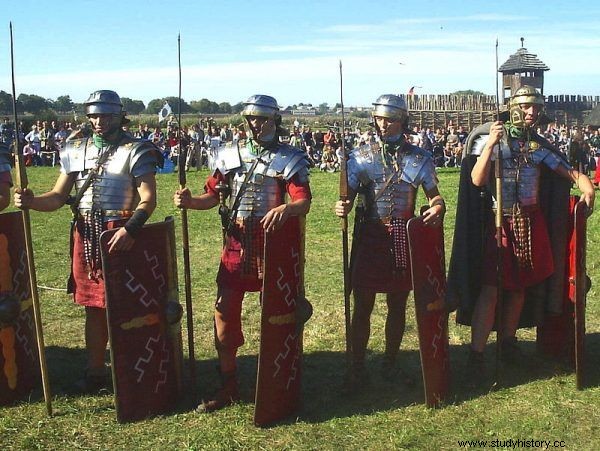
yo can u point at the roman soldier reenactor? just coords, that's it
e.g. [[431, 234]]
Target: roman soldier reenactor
[[386, 176], [257, 175], [535, 185], [114, 177]]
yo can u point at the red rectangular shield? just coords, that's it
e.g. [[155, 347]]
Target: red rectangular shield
[[581, 288], [19, 364], [145, 349], [278, 384], [564, 335], [428, 267]]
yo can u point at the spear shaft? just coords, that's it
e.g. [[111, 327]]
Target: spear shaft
[[185, 239], [345, 253], [499, 206], [22, 183]]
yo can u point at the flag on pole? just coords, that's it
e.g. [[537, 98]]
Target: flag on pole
[[164, 112]]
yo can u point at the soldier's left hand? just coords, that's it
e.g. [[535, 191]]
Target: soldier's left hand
[[434, 216], [275, 218], [121, 241]]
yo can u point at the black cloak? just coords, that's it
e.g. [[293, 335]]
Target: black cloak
[[473, 207]]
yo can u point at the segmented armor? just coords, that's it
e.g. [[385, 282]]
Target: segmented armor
[[520, 170], [387, 183], [262, 191], [113, 190]]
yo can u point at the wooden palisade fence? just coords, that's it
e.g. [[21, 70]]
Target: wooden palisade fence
[[436, 110]]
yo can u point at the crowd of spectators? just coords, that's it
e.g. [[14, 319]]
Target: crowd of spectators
[[324, 146], [44, 140], [198, 140], [580, 144]]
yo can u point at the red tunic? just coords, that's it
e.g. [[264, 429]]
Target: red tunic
[[515, 277], [230, 269], [87, 290], [373, 262]]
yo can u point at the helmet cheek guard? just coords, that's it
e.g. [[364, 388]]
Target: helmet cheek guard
[[267, 132], [517, 115], [525, 95]]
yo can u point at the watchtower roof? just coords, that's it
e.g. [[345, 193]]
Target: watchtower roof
[[522, 60]]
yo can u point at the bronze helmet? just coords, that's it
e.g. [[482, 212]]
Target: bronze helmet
[[524, 95]]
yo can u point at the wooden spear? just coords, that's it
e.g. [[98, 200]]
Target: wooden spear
[[185, 239], [21, 184]]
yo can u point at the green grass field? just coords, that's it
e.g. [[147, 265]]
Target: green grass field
[[533, 404]]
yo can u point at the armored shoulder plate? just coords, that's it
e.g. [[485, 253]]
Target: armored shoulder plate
[[143, 153], [72, 156], [287, 162], [479, 142], [364, 163], [224, 158], [80, 154], [470, 147], [5, 157], [415, 162], [478, 138]]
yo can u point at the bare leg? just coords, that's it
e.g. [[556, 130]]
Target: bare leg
[[395, 323], [512, 308], [96, 338], [364, 300], [483, 318], [228, 334], [228, 338], [485, 313]]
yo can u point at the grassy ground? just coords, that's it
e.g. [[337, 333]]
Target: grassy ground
[[538, 403]]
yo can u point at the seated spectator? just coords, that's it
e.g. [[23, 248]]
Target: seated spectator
[[28, 154], [329, 161]]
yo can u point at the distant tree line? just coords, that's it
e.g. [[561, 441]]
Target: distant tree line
[[41, 107], [37, 105]]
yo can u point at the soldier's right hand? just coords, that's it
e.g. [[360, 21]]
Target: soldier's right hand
[[496, 133], [182, 198], [342, 208], [23, 198]]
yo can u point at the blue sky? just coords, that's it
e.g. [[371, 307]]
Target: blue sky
[[232, 49]]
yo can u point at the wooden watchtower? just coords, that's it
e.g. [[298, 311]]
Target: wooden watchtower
[[522, 68]]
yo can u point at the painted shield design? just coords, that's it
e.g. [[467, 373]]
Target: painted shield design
[[428, 266], [19, 365], [278, 385], [143, 314]]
